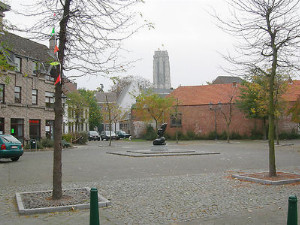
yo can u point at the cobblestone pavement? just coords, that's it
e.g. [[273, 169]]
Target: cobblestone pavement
[[205, 198]]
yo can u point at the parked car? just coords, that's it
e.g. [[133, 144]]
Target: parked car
[[106, 135], [123, 134], [93, 135], [10, 147]]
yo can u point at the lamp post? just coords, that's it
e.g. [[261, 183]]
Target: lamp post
[[215, 108]]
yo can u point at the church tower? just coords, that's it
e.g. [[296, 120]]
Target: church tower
[[161, 70]]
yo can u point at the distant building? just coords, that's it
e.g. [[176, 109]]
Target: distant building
[[227, 80], [161, 73]]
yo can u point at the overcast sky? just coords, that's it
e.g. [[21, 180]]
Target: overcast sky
[[184, 29]]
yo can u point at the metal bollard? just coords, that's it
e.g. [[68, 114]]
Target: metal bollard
[[94, 209], [292, 211]]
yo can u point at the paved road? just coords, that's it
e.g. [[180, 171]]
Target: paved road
[[158, 190]]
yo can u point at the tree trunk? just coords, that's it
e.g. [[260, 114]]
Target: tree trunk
[[264, 129], [277, 132], [228, 138], [272, 165], [57, 155]]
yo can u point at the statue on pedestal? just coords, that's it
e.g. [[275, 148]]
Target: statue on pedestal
[[160, 140]]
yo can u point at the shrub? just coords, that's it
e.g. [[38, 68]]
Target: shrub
[[190, 135], [288, 136], [256, 135], [150, 133], [212, 135], [47, 143], [67, 137], [236, 136]]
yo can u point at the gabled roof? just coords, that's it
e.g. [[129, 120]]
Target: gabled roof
[[205, 94], [25, 47], [101, 97], [227, 80]]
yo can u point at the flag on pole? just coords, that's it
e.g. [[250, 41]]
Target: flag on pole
[[58, 80], [56, 49], [53, 31]]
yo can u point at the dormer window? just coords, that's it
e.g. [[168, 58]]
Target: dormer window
[[18, 62]]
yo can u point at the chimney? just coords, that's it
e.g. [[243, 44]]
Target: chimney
[[52, 44], [3, 8]]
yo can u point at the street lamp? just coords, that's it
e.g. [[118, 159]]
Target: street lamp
[[215, 108]]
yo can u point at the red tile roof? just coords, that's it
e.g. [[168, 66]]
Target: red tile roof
[[201, 95], [204, 94]]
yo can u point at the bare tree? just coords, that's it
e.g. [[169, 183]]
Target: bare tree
[[90, 34], [268, 32], [227, 112]]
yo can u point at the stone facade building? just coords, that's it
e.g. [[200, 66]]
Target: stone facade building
[[27, 93]]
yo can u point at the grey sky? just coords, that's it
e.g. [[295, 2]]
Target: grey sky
[[184, 29]]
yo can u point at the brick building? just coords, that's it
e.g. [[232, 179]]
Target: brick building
[[201, 109]]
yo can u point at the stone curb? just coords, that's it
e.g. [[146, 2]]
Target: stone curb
[[257, 180], [102, 202], [130, 154]]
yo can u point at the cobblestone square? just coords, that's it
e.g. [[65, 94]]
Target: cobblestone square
[[179, 190]]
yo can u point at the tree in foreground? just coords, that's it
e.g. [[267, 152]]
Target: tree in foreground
[[268, 44], [151, 107], [253, 98], [89, 35]]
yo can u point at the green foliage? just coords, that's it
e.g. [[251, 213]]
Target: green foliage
[[67, 137], [190, 135], [289, 136], [47, 143], [150, 133], [256, 135], [151, 107], [95, 116], [76, 138]]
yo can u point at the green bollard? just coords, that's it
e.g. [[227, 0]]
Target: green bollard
[[292, 211], [94, 209]]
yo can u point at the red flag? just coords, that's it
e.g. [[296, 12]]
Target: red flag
[[58, 80], [56, 49]]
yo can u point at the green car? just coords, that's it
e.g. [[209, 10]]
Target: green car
[[10, 147]]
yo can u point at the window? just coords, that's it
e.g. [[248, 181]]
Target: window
[[35, 68], [34, 97], [2, 93], [17, 94], [176, 120], [49, 99], [1, 125], [18, 62]]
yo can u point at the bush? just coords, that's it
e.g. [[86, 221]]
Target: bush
[[67, 137], [47, 143], [288, 136], [236, 136], [256, 135], [212, 135], [150, 133], [190, 135]]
